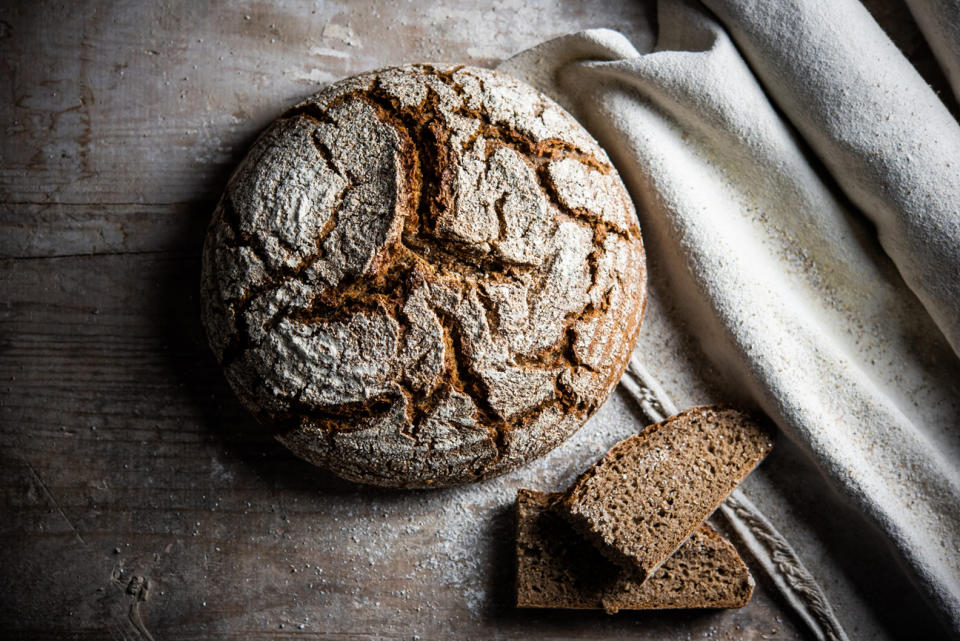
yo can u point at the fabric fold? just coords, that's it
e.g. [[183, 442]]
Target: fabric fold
[[779, 275], [885, 137], [939, 20]]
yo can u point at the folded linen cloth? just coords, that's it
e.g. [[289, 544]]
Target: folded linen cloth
[[939, 20], [798, 185]]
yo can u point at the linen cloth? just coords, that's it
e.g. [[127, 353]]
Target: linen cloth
[[798, 187], [939, 20]]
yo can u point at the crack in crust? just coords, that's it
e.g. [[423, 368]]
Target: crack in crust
[[499, 258]]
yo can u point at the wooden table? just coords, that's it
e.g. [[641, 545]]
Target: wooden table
[[139, 500]]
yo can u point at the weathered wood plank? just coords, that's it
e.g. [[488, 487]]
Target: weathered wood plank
[[125, 455], [120, 102], [58, 229]]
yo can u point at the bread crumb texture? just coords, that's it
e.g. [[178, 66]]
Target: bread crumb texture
[[558, 569], [424, 276], [651, 491]]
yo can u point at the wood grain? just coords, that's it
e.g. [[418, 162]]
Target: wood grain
[[139, 500]]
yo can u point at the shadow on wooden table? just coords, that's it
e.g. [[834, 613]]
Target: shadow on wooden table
[[213, 401], [854, 544], [262, 475]]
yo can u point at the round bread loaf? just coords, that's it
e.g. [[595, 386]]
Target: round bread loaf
[[424, 276]]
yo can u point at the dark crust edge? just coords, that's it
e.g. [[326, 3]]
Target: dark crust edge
[[635, 319], [584, 526], [551, 501]]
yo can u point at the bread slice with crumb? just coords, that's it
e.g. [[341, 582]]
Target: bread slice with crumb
[[556, 568], [650, 492]]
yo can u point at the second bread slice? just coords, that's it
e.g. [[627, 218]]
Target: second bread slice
[[650, 492], [556, 569]]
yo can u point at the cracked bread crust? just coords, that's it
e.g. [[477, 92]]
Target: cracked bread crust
[[423, 276]]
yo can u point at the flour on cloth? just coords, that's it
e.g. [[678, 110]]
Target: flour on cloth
[[803, 205], [939, 20]]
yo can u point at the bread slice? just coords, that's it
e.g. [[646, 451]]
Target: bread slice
[[650, 492], [556, 568]]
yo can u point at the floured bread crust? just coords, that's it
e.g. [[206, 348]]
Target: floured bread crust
[[424, 276]]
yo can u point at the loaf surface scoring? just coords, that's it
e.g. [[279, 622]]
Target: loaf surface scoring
[[423, 276]]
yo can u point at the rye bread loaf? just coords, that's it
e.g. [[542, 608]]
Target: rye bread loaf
[[642, 500], [556, 568], [423, 276]]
